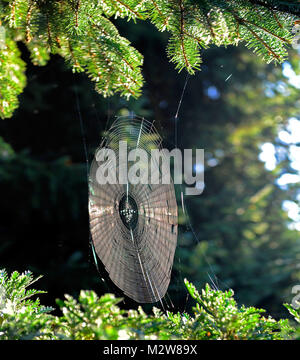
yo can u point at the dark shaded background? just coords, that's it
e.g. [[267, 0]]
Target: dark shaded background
[[243, 241]]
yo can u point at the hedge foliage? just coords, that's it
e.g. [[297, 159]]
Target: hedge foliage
[[216, 315]]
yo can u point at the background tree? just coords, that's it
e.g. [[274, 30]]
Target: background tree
[[227, 109]]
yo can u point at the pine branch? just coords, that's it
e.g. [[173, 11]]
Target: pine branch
[[130, 10], [12, 78], [157, 16], [28, 20], [264, 29], [276, 18], [270, 50], [182, 31], [81, 32]]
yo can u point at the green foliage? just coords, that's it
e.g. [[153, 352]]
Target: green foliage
[[83, 32], [5, 149], [12, 77], [20, 316], [92, 318], [294, 312], [216, 316]]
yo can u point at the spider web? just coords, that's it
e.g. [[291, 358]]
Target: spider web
[[134, 227], [151, 294]]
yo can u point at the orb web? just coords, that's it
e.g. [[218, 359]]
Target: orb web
[[134, 227]]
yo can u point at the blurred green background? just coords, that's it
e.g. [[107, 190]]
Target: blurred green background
[[237, 108]]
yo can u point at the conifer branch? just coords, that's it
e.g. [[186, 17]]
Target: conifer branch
[[276, 18], [48, 30], [28, 20], [77, 6], [263, 42], [13, 12], [245, 21], [182, 33], [129, 8], [165, 20], [81, 31]]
